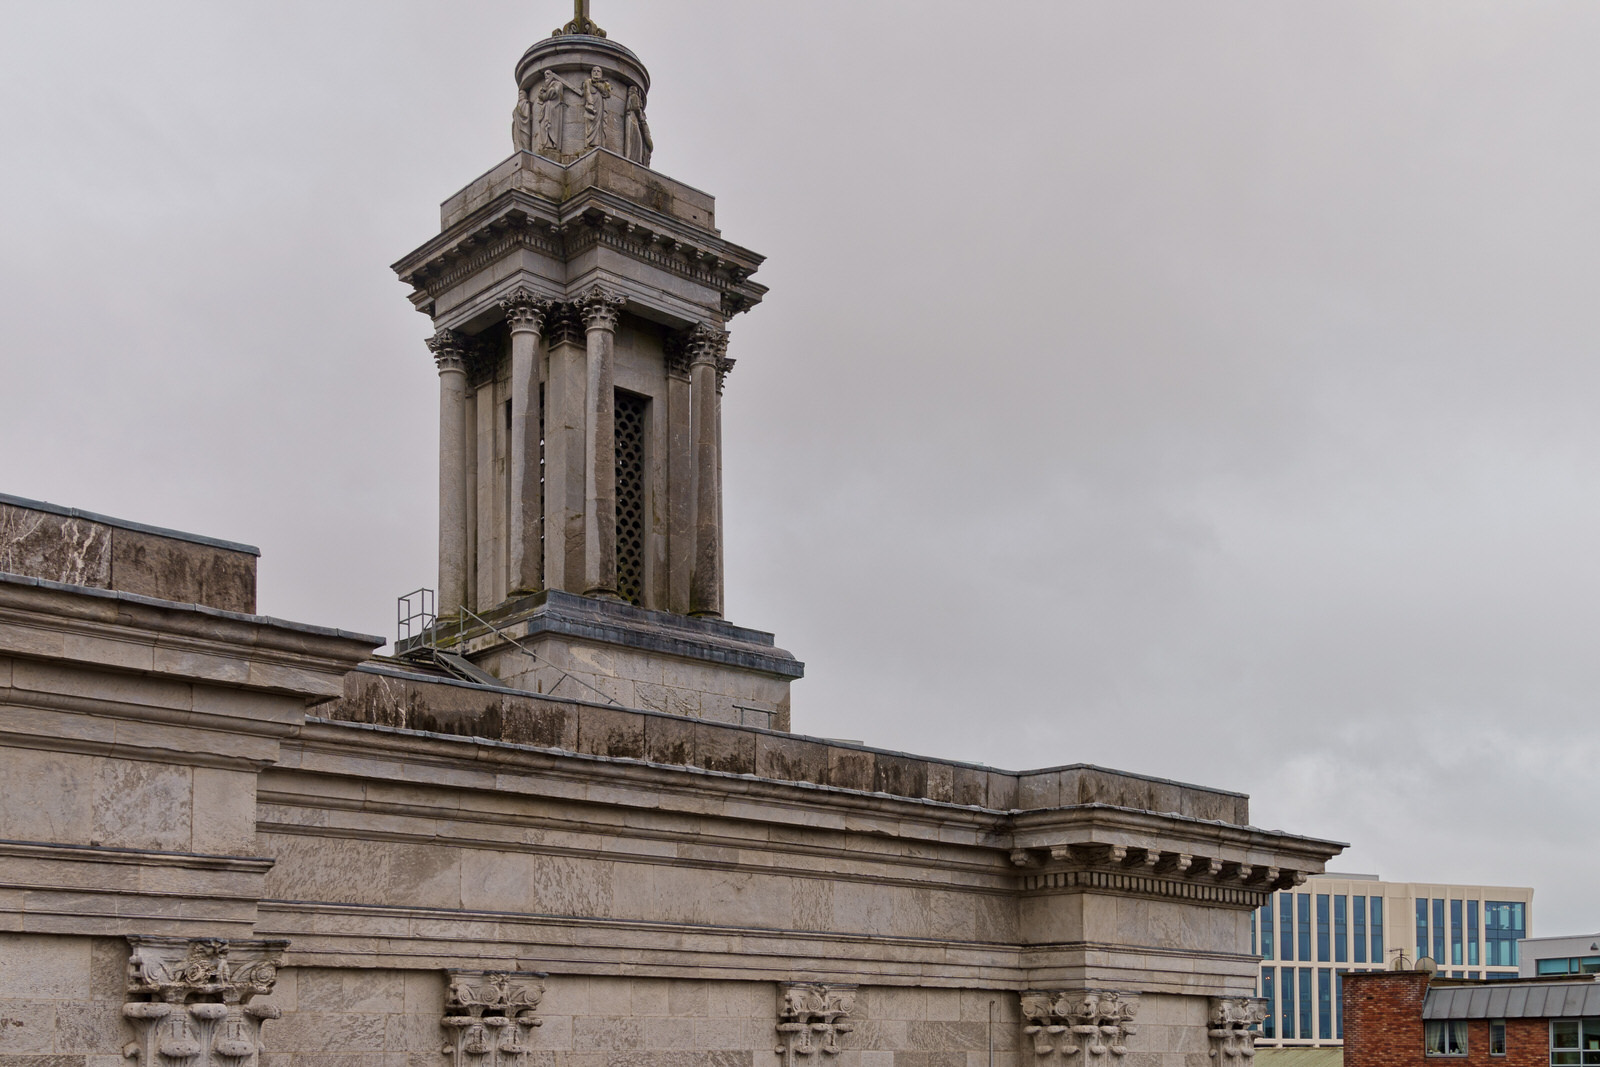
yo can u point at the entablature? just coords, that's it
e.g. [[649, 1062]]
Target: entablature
[[594, 219]]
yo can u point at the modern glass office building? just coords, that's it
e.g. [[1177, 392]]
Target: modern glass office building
[[1308, 936], [1574, 954]]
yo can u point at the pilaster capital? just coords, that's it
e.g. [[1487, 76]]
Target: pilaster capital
[[525, 311], [812, 1017], [1231, 1027], [600, 308], [489, 1015], [449, 351], [1090, 1023], [192, 1002]]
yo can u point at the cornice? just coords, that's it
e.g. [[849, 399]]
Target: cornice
[[50, 620], [518, 220], [1244, 861]]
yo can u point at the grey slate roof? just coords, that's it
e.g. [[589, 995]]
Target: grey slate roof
[[1513, 1000]]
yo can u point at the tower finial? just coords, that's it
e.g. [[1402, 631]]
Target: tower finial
[[581, 22]]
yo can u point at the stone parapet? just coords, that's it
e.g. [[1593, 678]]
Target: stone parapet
[[389, 695], [57, 544]]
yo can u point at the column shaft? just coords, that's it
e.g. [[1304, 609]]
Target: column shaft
[[526, 317], [680, 491], [447, 352], [564, 404], [707, 345], [601, 311]]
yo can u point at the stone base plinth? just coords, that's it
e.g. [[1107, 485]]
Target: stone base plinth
[[555, 643]]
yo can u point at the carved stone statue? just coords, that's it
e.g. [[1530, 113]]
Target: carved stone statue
[[596, 91], [522, 124], [637, 143], [552, 105]]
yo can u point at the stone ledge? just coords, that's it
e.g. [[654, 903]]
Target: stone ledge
[[72, 624], [617, 624], [416, 702]]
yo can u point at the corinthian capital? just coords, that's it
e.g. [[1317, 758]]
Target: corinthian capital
[[525, 311], [449, 351], [707, 344], [600, 308]]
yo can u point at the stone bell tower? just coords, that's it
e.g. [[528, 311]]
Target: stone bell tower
[[580, 302]]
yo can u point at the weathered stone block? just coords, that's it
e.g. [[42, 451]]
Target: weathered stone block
[[900, 775], [57, 548], [604, 732], [607, 1034], [851, 768], [184, 571], [719, 749], [670, 741]]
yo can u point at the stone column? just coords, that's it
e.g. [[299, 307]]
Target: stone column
[[708, 346], [564, 433], [680, 477], [601, 309], [449, 354], [525, 314]]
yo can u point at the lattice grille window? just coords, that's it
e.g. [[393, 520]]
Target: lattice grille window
[[630, 496]]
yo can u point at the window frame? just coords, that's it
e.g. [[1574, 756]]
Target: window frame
[[1497, 1029], [1447, 1029], [1588, 1029]]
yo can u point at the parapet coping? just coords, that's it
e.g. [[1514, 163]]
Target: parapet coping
[[392, 672], [7, 578], [125, 524], [678, 768]]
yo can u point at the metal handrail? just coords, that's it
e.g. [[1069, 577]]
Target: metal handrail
[[467, 613]]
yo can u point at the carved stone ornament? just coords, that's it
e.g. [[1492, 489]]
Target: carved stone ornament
[[489, 1015], [600, 308], [190, 1002], [1233, 1027], [581, 22], [449, 351], [707, 344], [811, 1019], [1092, 1023], [525, 311]]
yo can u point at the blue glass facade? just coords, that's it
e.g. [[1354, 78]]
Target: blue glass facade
[[1304, 935]]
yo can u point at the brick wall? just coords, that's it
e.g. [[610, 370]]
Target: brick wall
[[1383, 1028]]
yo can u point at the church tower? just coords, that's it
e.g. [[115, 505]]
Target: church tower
[[580, 302]]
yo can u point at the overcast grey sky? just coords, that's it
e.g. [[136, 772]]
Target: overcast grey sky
[[1202, 389]]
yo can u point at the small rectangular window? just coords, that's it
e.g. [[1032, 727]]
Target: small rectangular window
[[1266, 930], [1269, 1026], [1472, 933], [1303, 926], [1445, 1037], [1286, 926], [1358, 905], [1497, 1037], [1324, 1004], [1456, 954], [1377, 931], [1340, 930], [1323, 931], [1286, 1012], [1422, 927], [1307, 1007]]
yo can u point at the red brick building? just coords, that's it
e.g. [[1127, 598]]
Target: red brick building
[[1413, 1019]]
